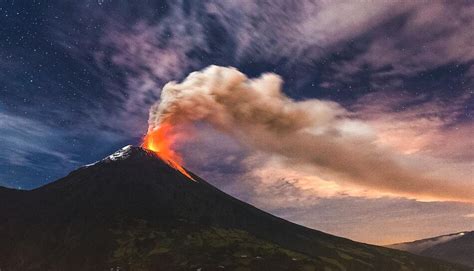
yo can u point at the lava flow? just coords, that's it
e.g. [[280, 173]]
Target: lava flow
[[160, 141]]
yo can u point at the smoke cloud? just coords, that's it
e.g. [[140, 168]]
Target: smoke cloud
[[317, 133]]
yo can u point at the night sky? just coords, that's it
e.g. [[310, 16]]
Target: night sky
[[77, 79]]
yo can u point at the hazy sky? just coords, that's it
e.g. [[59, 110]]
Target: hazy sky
[[77, 79]]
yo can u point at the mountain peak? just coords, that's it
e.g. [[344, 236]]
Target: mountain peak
[[139, 154], [129, 151]]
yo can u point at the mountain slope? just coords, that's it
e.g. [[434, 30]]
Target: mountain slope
[[456, 247], [133, 211]]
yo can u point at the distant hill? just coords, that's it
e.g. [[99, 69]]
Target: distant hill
[[456, 247], [132, 211]]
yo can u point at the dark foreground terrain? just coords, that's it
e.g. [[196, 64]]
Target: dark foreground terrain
[[131, 211]]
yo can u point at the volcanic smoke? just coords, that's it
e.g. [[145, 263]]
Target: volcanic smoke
[[312, 132]]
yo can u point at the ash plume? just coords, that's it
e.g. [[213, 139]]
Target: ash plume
[[312, 132]]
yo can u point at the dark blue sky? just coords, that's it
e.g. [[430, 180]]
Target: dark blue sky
[[77, 77]]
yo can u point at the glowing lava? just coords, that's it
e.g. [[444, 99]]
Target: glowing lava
[[160, 141]]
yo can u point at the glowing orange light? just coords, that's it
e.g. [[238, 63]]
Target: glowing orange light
[[160, 141]]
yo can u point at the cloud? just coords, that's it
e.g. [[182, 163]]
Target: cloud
[[419, 124], [306, 198], [424, 38], [148, 55], [428, 130], [23, 136], [275, 30], [312, 132], [276, 183], [152, 53], [30, 150], [132, 56], [136, 56], [392, 220], [34, 152]]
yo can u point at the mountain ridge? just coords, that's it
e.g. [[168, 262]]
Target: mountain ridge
[[455, 247]]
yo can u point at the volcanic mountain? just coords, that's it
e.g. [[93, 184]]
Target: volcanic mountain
[[455, 247], [133, 211]]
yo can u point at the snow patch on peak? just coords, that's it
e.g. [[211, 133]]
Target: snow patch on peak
[[121, 154]]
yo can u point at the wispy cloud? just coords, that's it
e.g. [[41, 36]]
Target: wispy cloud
[[275, 30], [417, 41], [134, 57], [419, 124], [23, 137], [152, 54], [137, 56], [33, 152]]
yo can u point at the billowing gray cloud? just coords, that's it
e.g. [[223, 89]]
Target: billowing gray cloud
[[314, 132]]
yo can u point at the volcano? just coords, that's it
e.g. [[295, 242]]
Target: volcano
[[135, 211]]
